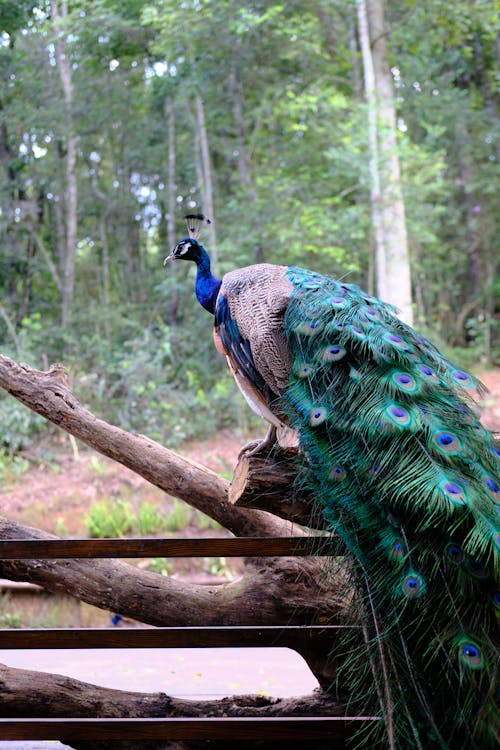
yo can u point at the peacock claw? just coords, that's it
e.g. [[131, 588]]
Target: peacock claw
[[258, 446]]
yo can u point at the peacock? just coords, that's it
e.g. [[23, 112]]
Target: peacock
[[405, 475]]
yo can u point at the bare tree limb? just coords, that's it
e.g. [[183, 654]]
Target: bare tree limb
[[48, 260], [48, 394], [287, 590], [27, 693], [11, 329]]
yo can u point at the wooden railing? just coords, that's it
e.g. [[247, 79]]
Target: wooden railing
[[334, 728]]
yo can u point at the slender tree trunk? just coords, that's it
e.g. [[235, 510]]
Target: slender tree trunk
[[243, 168], [171, 202], [11, 329], [357, 78], [388, 213], [64, 69], [208, 203], [108, 206], [374, 168]]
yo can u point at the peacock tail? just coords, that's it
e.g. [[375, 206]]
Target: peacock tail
[[407, 479], [404, 474]]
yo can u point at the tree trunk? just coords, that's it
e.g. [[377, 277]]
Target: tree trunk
[[208, 203], [374, 167], [388, 213], [11, 329], [239, 120], [64, 69], [357, 78], [108, 207], [173, 310]]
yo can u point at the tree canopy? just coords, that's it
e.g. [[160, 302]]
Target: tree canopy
[[116, 118]]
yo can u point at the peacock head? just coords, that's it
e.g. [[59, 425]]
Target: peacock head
[[189, 248]]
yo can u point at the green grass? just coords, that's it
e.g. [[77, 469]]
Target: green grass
[[204, 522], [161, 565], [117, 519], [150, 520], [217, 566], [8, 618], [110, 519], [179, 517], [12, 468]]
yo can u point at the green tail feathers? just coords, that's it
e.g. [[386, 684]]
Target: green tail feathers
[[408, 480]]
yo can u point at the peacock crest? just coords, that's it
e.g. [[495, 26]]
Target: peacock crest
[[195, 224]]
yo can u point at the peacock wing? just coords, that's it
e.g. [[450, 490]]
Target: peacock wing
[[249, 327]]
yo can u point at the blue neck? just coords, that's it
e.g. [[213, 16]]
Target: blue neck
[[206, 286]]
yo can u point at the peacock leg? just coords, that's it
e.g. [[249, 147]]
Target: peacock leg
[[256, 446]]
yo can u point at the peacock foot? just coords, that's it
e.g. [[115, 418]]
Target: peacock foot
[[258, 446]]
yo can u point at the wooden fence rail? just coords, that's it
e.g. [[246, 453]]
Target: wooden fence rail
[[336, 729]]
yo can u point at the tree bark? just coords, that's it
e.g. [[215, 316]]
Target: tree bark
[[241, 139], [48, 394], [28, 693], [272, 483], [11, 329], [64, 68], [171, 203], [374, 168], [274, 590], [208, 202], [388, 211]]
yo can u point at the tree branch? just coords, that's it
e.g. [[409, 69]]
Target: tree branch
[[48, 394], [11, 329], [272, 482], [273, 590], [26, 693], [48, 260]]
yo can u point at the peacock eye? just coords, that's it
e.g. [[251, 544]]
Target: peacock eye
[[413, 586], [470, 655]]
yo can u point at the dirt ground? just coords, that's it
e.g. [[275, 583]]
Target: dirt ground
[[56, 494]]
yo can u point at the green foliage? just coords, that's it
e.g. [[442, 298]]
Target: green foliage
[[217, 566], [9, 618], [161, 565], [20, 426], [203, 522], [150, 520], [109, 519], [12, 468], [286, 126], [179, 517]]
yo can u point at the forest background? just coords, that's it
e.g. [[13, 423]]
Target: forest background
[[117, 117]]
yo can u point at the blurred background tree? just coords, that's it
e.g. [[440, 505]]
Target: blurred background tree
[[119, 116]]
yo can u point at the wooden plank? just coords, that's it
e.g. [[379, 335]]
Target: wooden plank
[[244, 728], [22, 549], [291, 636]]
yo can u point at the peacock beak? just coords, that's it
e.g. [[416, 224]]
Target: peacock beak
[[170, 257]]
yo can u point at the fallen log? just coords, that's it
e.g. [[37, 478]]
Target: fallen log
[[27, 693]]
